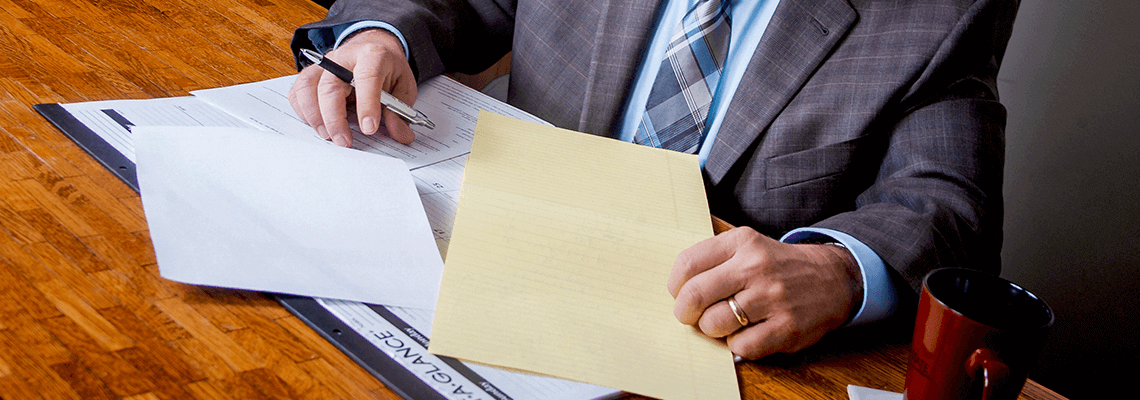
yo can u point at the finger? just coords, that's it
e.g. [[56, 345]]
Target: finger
[[398, 128], [404, 88], [369, 83], [331, 95], [702, 291], [703, 256], [384, 69], [718, 320], [762, 339], [303, 98]]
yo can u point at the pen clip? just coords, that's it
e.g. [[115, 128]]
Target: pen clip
[[313, 56]]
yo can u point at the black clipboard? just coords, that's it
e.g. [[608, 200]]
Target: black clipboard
[[90, 142], [394, 375]]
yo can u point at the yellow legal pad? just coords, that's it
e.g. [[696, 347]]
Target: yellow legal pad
[[559, 259]]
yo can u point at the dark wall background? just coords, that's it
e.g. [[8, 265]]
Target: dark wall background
[[1071, 83]]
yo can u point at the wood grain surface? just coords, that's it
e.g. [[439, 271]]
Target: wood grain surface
[[83, 311]]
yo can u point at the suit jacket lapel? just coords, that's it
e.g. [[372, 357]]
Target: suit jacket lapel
[[623, 32], [797, 40]]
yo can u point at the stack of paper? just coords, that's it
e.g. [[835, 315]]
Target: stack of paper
[[557, 263], [240, 193]]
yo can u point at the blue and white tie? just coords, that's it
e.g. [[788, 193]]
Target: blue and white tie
[[679, 101]]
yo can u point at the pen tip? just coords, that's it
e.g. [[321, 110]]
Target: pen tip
[[423, 120]]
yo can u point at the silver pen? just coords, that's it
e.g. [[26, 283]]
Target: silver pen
[[388, 100]]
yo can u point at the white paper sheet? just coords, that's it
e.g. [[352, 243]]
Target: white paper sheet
[[241, 208], [862, 393]]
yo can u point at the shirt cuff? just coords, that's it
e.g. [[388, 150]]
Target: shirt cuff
[[879, 297], [357, 26]]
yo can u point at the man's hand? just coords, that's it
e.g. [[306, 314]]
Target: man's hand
[[791, 294], [376, 59]]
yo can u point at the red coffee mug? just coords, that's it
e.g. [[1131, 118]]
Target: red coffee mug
[[976, 337]]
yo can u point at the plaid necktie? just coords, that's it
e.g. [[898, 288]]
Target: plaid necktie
[[679, 101]]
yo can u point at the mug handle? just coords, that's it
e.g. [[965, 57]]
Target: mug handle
[[994, 371]]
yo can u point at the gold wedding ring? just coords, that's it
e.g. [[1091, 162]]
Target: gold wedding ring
[[737, 311]]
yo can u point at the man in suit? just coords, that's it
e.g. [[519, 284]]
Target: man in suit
[[868, 134]]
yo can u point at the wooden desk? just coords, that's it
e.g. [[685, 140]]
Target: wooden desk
[[83, 311]]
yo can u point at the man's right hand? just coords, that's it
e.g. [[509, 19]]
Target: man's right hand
[[377, 61]]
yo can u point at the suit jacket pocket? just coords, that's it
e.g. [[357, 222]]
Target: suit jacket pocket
[[811, 164]]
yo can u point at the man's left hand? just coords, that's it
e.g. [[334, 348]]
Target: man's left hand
[[791, 294]]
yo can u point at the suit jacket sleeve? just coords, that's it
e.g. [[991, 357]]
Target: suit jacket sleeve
[[907, 157], [432, 29], [937, 196]]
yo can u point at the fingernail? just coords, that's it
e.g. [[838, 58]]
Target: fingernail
[[322, 132], [368, 125], [339, 140]]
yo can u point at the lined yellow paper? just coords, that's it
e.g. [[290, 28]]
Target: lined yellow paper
[[559, 259]]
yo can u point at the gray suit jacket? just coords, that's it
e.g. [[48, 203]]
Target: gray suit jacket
[[875, 118]]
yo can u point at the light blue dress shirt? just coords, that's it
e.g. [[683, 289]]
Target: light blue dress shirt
[[750, 19]]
